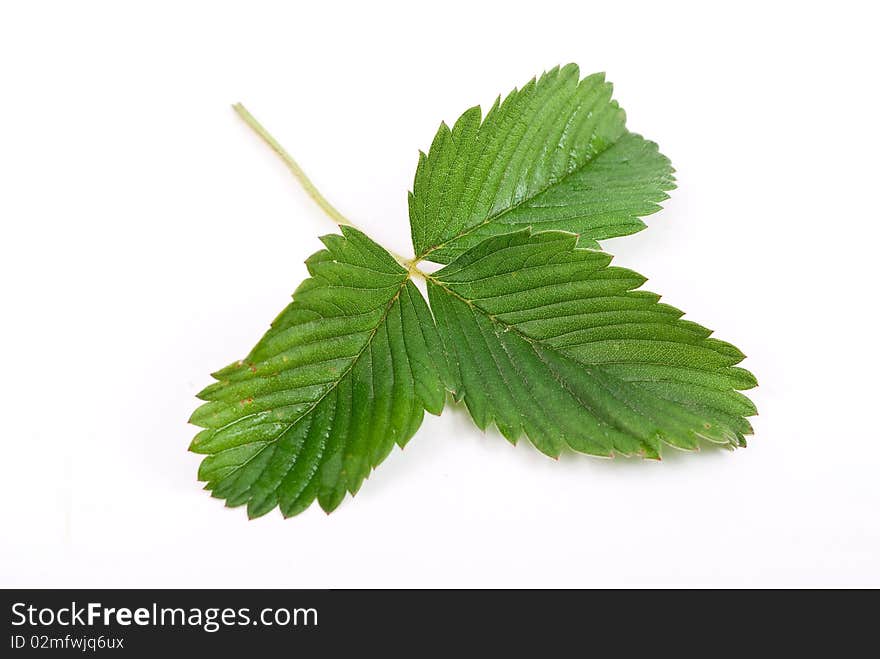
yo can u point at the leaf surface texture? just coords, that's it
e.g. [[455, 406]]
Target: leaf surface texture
[[554, 154]]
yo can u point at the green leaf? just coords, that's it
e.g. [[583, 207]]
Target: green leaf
[[549, 340], [345, 372], [554, 155], [528, 324]]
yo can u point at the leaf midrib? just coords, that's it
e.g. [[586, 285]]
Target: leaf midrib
[[535, 343], [529, 339], [342, 376], [522, 201], [494, 318]]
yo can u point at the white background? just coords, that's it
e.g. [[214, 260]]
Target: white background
[[149, 238]]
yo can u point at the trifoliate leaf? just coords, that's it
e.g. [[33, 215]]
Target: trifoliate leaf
[[535, 331], [554, 155], [549, 340], [344, 373]]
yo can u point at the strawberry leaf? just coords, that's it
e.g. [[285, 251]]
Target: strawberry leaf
[[549, 341], [345, 373], [528, 323], [553, 155]]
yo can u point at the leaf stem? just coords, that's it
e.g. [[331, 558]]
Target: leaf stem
[[309, 187], [292, 165]]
